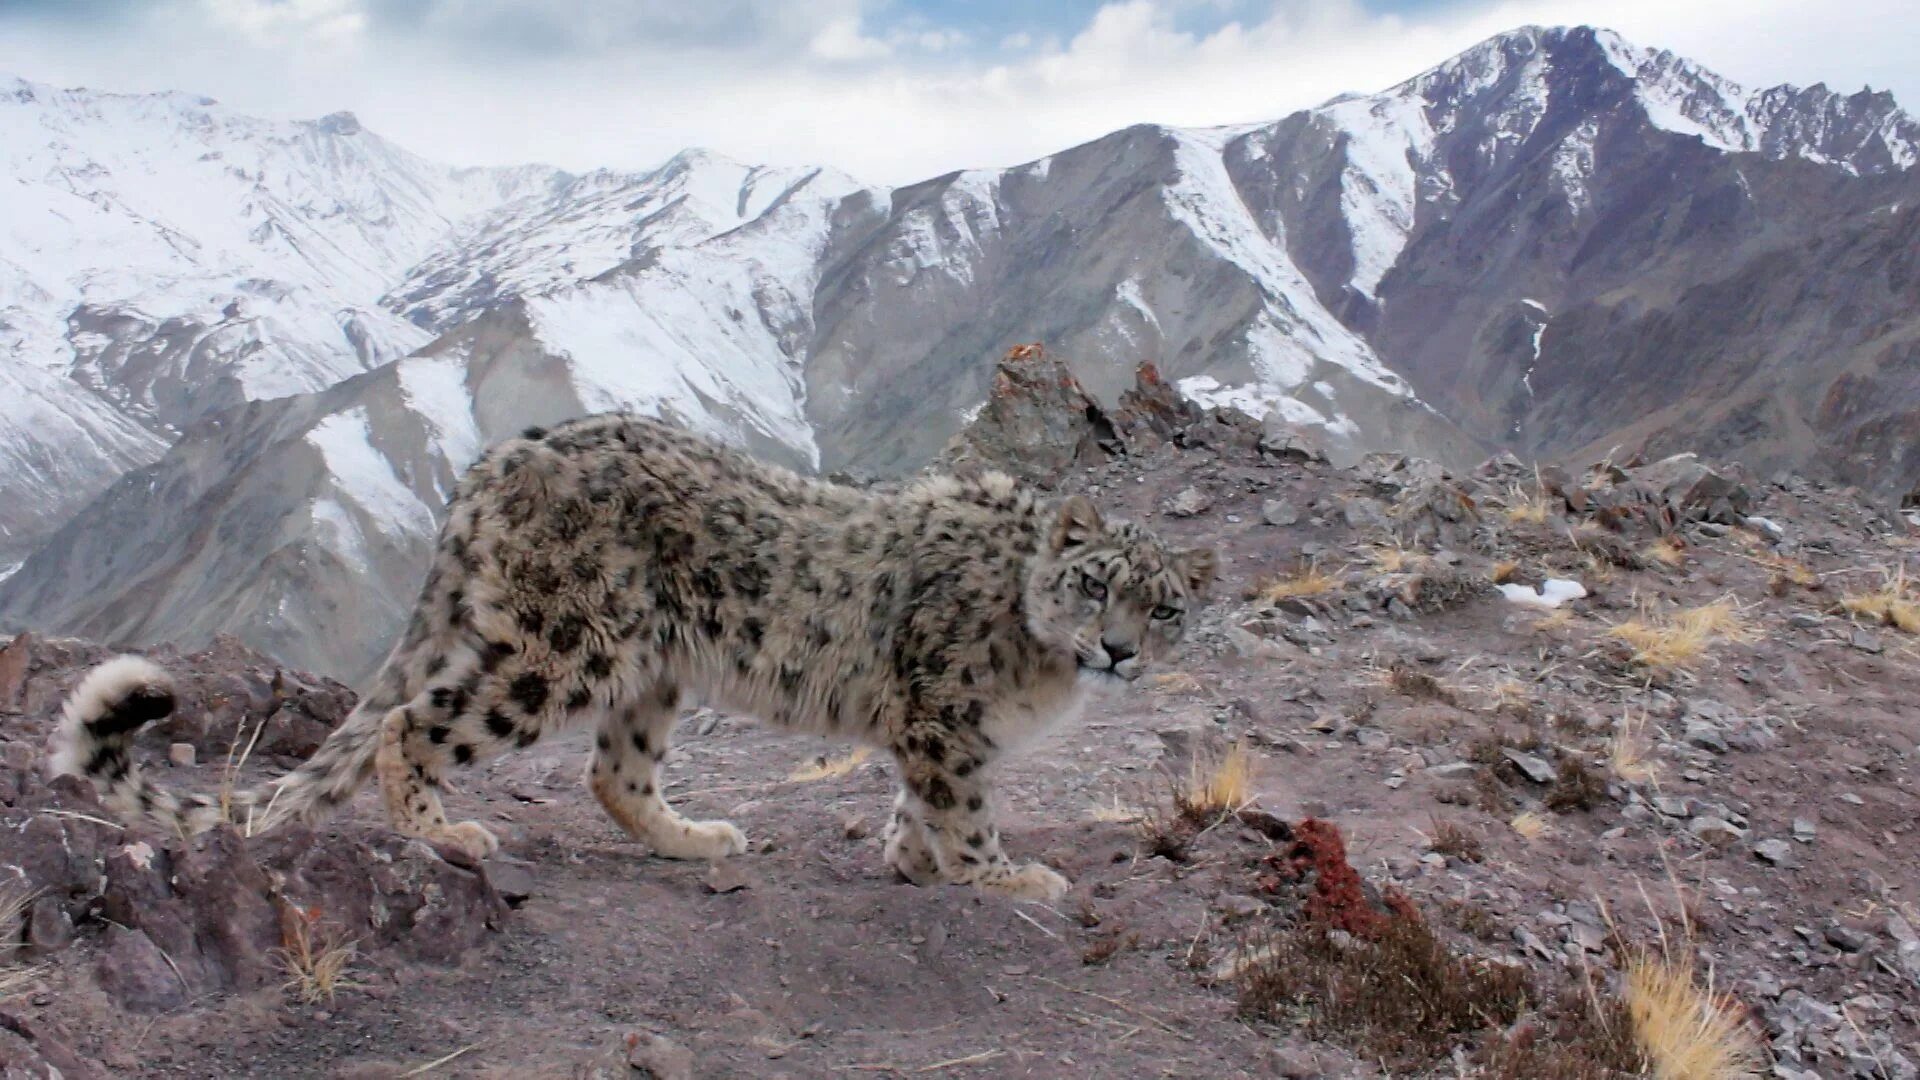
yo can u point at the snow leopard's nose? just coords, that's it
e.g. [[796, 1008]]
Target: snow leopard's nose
[[1118, 652]]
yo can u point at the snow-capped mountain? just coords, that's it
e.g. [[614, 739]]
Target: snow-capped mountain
[[1554, 242]]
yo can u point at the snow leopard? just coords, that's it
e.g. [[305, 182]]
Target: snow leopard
[[616, 570]]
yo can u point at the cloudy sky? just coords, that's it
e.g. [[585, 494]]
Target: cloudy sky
[[890, 90]]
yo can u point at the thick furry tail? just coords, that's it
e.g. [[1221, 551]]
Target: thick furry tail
[[116, 699]]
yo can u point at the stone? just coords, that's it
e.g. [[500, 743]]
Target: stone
[[513, 881], [49, 927], [1804, 830], [182, 754], [1532, 766], [1715, 831], [659, 1057], [13, 670], [1372, 738], [1671, 806], [1846, 938], [1867, 642], [726, 876], [1279, 512], [1190, 502], [1453, 770], [135, 972], [1900, 930], [1705, 736], [1777, 852], [1694, 492]]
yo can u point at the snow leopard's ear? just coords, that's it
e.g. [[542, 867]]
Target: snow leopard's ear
[[1077, 523], [1197, 568]]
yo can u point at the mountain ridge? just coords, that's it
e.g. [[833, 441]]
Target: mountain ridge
[[1543, 244]]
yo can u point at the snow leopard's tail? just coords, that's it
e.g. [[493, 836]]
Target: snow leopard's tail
[[117, 698]]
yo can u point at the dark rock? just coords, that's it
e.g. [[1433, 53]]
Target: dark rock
[[512, 881], [1036, 424], [1531, 766], [137, 974], [1694, 492], [13, 670]]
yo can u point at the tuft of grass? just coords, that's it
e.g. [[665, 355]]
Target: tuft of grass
[[1526, 507], [1530, 824], [1669, 551], [1394, 558], [314, 955], [1893, 604], [1176, 682], [829, 768], [14, 978], [1504, 570], [1628, 750], [1679, 640], [1308, 580], [1684, 1028], [1216, 784], [1456, 841]]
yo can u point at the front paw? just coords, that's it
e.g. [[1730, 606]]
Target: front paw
[[1032, 881]]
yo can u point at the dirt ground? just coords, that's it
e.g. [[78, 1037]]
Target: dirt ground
[[807, 957]]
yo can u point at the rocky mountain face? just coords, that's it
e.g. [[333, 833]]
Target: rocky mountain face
[[1547, 724], [1555, 243]]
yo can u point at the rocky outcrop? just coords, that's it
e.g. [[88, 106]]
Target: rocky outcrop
[[167, 920]]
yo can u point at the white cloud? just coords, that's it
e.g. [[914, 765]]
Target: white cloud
[[842, 39], [798, 83]]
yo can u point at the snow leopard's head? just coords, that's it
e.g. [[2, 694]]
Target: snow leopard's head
[[1112, 592]]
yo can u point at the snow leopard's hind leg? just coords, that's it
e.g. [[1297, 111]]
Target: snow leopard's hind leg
[[625, 776], [464, 715]]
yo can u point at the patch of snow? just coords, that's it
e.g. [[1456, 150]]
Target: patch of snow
[[435, 387], [1387, 139], [1256, 400], [1552, 593], [363, 476]]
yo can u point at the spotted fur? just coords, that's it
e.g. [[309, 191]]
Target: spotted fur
[[614, 570]]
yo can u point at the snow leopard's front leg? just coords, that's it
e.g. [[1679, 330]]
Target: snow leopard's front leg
[[943, 821]]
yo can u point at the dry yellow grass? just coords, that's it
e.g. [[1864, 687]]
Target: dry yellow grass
[[1666, 551], [1793, 571], [1395, 559], [1627, 751], [1215, 785], [1681, 639], [828, 768], [1527, 507], [1892, 604], [314, 956], [1530, 824], [1175, 682], [1309, 580], [13, 909], [1504, 570], [1686, 1029]]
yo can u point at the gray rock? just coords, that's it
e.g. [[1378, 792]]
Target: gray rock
[[1671, 806], [1453, 770], [1533, 767], [1372, 738], [1867, 642], [1846, 938], [1804, 830], [511, 880], [1705, 736], [1190, 502], [182, 754], [1279, 512], [1715, 831], [1777, 852]]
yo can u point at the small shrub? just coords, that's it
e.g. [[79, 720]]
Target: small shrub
[[1308, 580], [1216, 784], [1680, 640], [1576, 787], [1891, 604], [1454, 840], [314, 954]]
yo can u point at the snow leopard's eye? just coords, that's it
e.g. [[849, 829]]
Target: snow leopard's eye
[[1093, 587], [1163, 613]]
